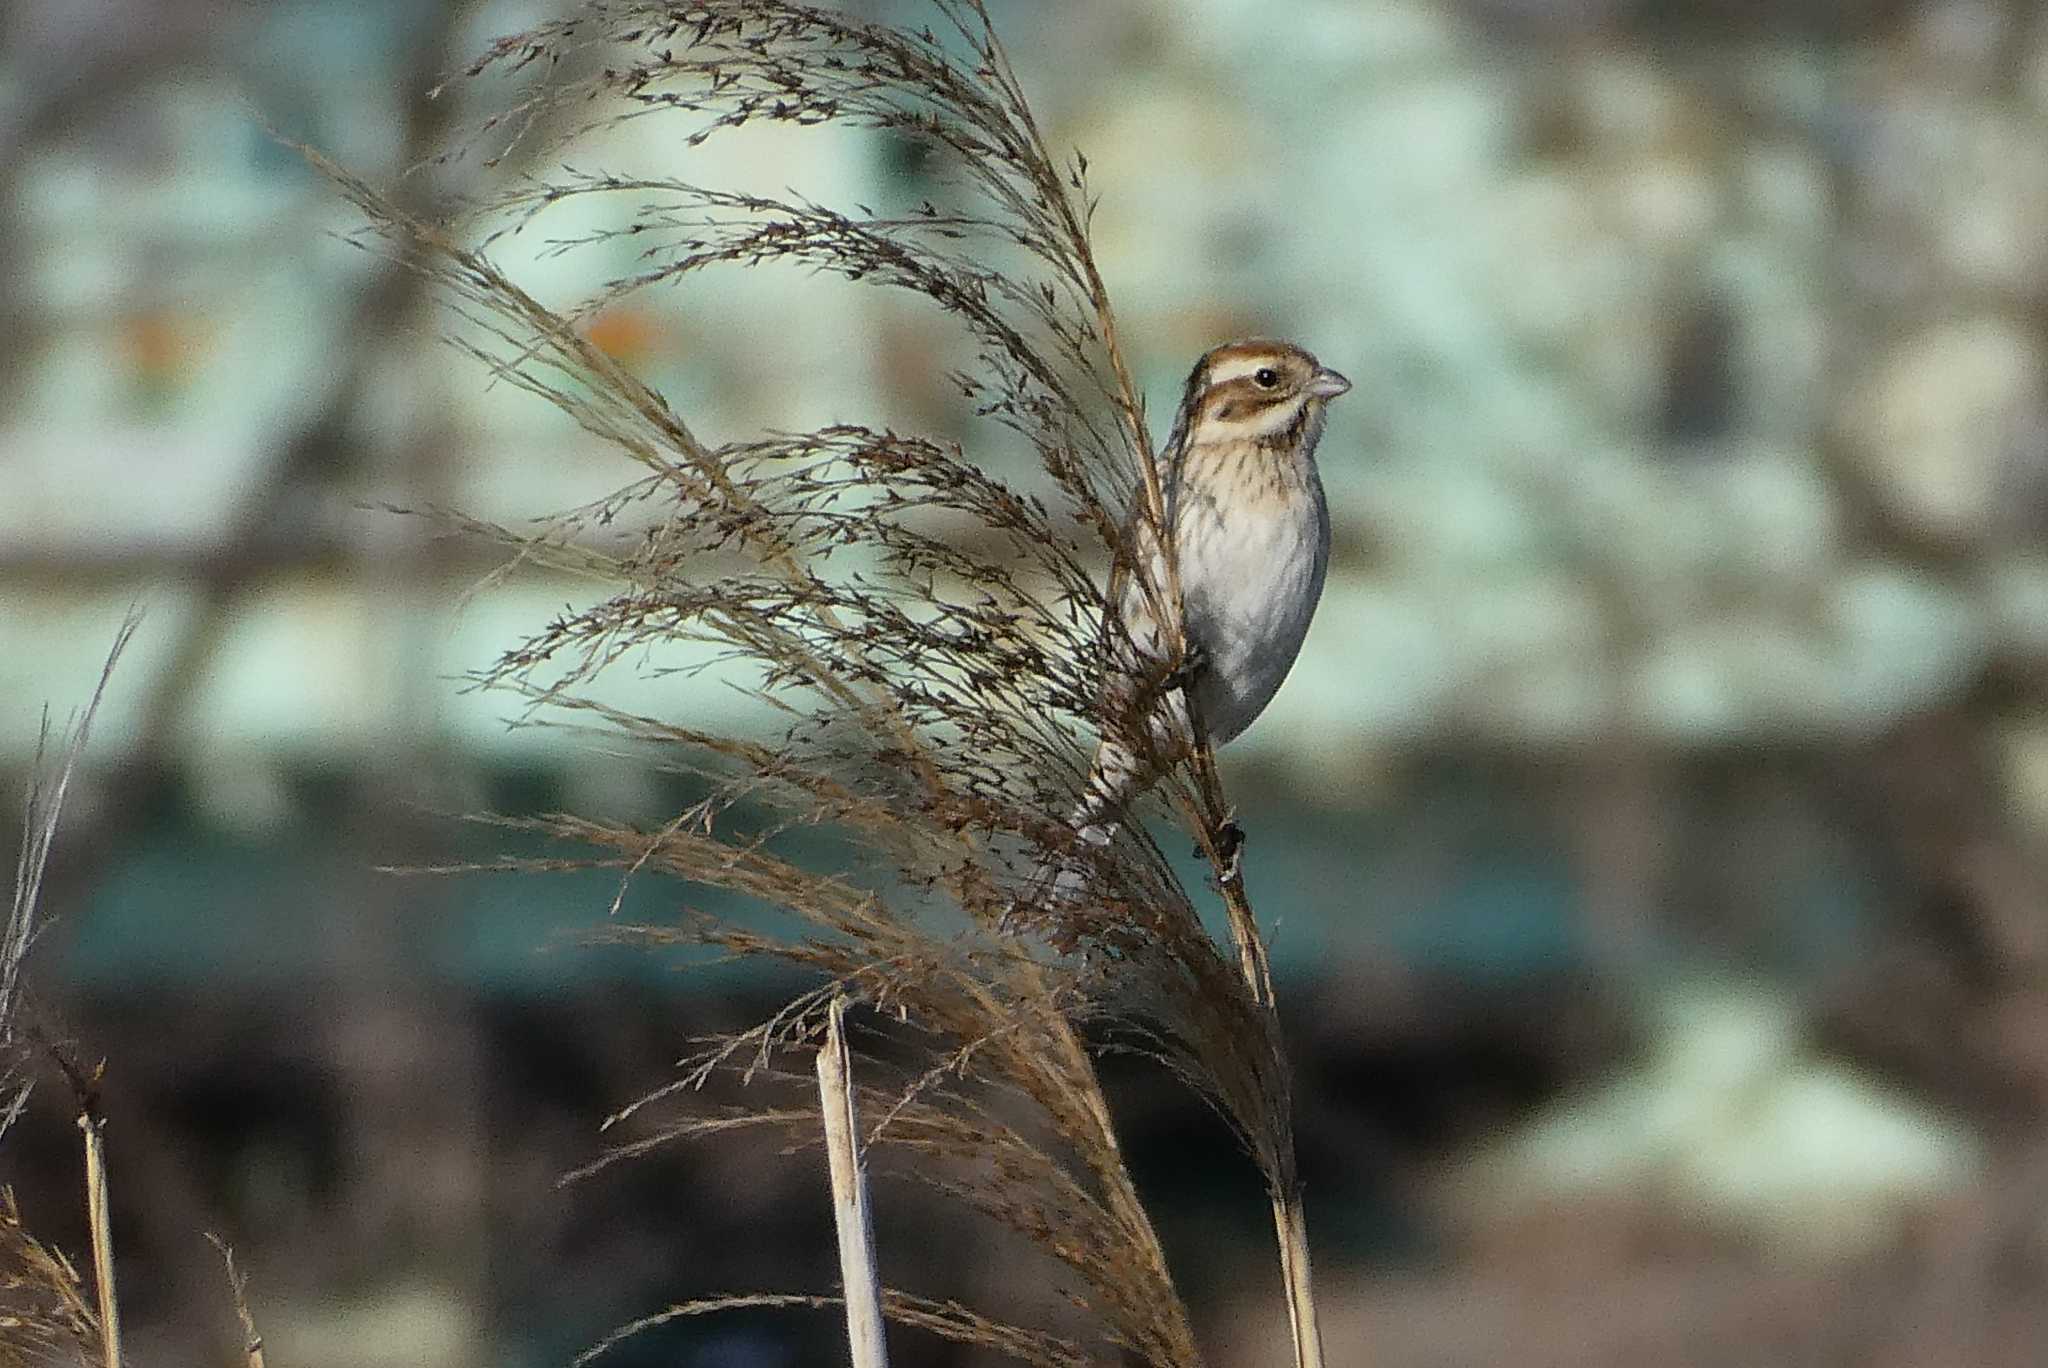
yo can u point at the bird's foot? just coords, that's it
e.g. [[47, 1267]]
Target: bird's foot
[[1229, 847], [1193, 660]]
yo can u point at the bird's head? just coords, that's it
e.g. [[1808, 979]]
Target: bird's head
[[1256, 390]]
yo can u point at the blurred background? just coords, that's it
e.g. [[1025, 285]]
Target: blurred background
[[1652, 831]]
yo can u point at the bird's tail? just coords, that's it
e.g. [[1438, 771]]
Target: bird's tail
[[1114, 778], [1123, 765]]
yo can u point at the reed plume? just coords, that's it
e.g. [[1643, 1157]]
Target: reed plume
[[931, 635]]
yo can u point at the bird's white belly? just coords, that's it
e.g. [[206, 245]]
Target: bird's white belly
[[1251, 586]]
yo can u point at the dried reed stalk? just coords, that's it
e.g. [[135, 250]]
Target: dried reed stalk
[[1283, 1183], [47, 1316], [857, 1271], [41, 809], [932, 635], [238, 1287], [93, 1127]]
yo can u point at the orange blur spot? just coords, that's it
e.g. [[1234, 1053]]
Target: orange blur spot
[[625, 334], [160, 344]]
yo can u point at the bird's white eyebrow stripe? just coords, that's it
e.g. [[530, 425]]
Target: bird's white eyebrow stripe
[[1237, 367]]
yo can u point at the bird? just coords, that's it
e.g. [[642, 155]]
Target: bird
[[1250, 529]]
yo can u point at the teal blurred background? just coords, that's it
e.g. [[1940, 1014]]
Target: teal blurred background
[[1651, 831]]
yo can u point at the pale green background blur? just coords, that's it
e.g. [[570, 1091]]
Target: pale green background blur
[[1652, 827]]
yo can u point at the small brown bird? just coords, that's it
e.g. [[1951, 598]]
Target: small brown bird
[[1251, 534]]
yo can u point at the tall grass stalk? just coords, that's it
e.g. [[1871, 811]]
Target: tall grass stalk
[[932, 636], [858, 1274], [238, 1287], [99, 1217], [48, 1316]]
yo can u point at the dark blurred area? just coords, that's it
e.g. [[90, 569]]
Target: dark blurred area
[[1651, 833]]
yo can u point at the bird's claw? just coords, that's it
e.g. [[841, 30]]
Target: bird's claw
[[1229, 850], [1193, 660]]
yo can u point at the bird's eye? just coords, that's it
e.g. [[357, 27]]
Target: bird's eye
[[1265, 377]]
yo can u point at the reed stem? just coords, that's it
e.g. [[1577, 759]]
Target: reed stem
[[1290, 1215], [238, 1283], [93, 1126], [857, 1272], [1290, 1224]]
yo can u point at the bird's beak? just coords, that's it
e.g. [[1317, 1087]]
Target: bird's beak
[[1327, 384]]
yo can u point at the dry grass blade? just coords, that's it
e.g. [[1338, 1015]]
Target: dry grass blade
[[238, 1286], [931, 636], [41, 809], [948, 1320], [45, 1316]]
